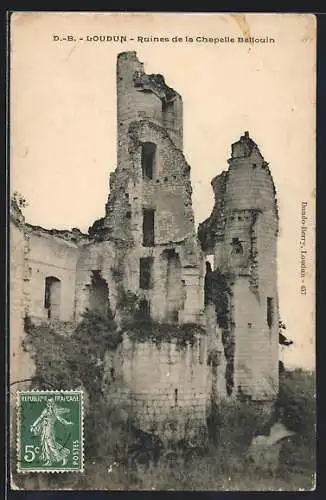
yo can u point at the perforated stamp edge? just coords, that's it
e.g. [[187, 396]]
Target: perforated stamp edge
[[18, 422]]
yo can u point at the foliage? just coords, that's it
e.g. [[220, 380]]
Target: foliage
[[223, 467], [106, 429], [75, 360], [63, 361], [91, 338], [217, 292], [142, 330], [127, 303], [110, 436], [296, 403], [50, 351], [232, 424], [296, 407]]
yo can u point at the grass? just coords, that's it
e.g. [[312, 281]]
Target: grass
[[221, 466], [207, 473]]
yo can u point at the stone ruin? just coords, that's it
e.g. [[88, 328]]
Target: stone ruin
[[221, 281]]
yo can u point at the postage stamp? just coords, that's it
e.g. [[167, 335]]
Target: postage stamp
[[50, 431]]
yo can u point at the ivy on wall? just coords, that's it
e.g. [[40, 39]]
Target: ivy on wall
[[218, 291], [140, 328], [63, 361], [149, 330]]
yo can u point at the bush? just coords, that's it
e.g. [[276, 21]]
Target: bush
[[71, 361], [50, 351], [296, 402], [296, 408], [143, 330], [233, 424], [89, 342]]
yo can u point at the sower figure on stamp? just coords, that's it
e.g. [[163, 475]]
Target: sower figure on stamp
[[52, 451]]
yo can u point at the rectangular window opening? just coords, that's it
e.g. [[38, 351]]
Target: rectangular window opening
[[47, 294], [148, 227], [270, 312], [145, 275]]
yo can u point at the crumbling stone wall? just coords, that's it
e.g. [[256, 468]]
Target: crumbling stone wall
[[99, 258], [239, 355], [166, 388], [148, 111], [142, 96], [51, 255], [35, 255], [21, 365], [242, 233]]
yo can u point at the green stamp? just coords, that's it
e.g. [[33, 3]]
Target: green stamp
[[50, 431]]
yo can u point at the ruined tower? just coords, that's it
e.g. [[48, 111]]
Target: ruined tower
[[149, 210], [242, 234], [145, 248]]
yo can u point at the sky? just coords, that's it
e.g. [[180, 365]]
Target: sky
[[63, 120]]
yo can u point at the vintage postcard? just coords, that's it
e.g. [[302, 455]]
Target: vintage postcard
[[162, 251]]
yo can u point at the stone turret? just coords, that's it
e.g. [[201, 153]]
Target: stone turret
[[149, 207], [242, 233]]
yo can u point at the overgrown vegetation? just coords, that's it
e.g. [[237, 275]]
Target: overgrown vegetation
[[143, 330], [115, 449], [218, 291], [72, 361], [296, 407], [114, 464], [75, 361], [120, 456]]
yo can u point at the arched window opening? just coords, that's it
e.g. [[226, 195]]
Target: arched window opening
[[148, 160], [52, 297]]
